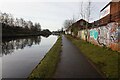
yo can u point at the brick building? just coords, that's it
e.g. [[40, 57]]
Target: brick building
[[81, 24], [78, 25], [110, 13]]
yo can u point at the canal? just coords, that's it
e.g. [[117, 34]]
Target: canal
[[20, 56]]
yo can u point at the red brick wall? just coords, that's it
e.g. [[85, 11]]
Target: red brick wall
[[114, 7], [114, 15], [115, 11]]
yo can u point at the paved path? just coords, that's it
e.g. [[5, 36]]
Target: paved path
[[73, 64]]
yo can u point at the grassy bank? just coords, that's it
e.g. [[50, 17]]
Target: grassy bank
[[48, 64], [104, 59]]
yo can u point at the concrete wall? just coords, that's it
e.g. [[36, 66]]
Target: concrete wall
[[108, 36]]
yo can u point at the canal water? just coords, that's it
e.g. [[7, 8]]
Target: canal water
[[21, 56]]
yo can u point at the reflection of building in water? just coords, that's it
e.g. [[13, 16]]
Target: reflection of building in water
[[8, 47]]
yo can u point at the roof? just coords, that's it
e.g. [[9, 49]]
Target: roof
[[105, 7], [81, 20], [109, 4]]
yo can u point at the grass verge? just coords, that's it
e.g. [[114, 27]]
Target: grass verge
[[47, 66], [104, 59]]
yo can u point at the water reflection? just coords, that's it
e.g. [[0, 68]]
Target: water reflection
[[25, 54], [10, 45]]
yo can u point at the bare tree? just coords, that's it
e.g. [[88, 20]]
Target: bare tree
[[85, 13], [11, 20], [88, 15], [88, 12], [37, 26], [16, 22], [1, 17], [25, 24], [5, 18], [30, 25], [68, 23], [82, 10], [85, 10]]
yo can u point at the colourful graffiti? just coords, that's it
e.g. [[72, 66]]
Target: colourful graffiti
[[94, 34], [104, 35], [114, 32], [108, 34]]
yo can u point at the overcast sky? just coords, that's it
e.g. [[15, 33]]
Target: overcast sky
[[51, 14]]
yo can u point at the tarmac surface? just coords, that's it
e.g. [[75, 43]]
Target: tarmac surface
[[74, 64]]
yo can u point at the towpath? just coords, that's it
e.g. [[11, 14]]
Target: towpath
[[73, 64]]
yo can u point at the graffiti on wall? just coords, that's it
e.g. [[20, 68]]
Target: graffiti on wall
[[119, 34], [94, 34], [104, 35], [114, 32], [108, 34]]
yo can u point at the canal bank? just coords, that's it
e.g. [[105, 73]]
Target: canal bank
[[47, 66]]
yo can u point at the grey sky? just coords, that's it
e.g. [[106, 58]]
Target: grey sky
[[50, 15]]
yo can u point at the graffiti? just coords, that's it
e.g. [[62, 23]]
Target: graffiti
[[104, 35], [108, 34], [113, 32], [119, 34], [94, 34]]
